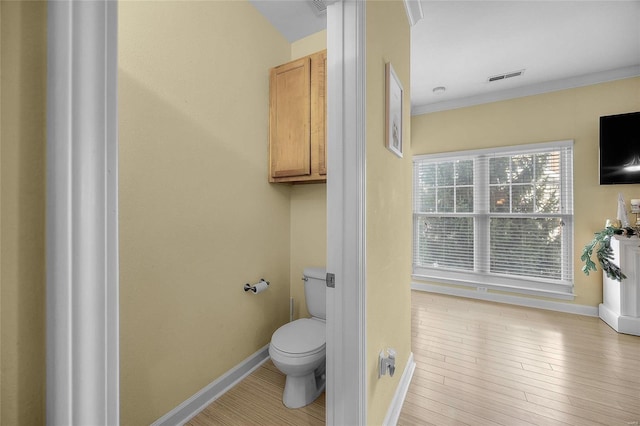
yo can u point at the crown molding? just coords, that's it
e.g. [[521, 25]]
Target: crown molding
[[530, 90]]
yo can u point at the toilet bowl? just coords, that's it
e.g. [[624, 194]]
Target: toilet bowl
[[298, 349]]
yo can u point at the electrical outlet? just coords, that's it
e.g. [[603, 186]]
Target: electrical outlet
[[482, 289], [387, 364]]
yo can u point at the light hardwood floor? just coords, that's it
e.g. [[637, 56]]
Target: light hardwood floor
[[481, 363], [257, 400]]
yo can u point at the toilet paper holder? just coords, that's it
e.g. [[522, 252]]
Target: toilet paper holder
[[249, 287]]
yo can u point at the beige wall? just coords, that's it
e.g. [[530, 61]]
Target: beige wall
[[308, 45], [308, 238], [308, 208], [568, 114], [22, 211], [198, 218], [388, 215]]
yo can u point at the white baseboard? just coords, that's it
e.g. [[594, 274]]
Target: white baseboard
[[391, 419], [205, 396], [570, 308], [620, 323]]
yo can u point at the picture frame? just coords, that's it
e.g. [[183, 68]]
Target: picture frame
[[393, 111]]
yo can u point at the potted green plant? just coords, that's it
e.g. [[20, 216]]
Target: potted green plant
[[601, 243]]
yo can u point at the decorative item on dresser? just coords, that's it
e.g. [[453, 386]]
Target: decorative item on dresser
[[602, 241], [635, 209], [604, 253]]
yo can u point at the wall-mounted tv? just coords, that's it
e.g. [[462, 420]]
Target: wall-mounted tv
[[620, 149]]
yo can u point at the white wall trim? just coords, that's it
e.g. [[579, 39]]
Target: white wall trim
[[393, 414], [82, 385], [620, 323], [214, 390], [346, 207], [520, 286], [530, 90], [414, 11], [570, 308]]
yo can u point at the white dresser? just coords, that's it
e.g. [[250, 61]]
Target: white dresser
[[620, 307]]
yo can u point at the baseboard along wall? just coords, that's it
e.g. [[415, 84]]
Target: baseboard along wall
[[393, 413], [570, 308], [199, 401], [214, 390]]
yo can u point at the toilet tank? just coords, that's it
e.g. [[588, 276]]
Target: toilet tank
[[315, 291]]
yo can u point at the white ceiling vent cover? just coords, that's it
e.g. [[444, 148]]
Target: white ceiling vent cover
[[505, 75], [319, 7]]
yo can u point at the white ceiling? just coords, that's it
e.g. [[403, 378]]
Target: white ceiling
[[295, 19], [459, 44]]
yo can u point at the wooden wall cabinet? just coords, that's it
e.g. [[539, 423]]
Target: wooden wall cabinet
[[297, 120]]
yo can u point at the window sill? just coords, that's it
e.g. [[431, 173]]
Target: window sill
[[494, 282]]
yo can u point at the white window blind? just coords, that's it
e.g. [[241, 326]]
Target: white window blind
[[500, 217]]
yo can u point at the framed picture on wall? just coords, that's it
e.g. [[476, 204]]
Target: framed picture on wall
[[393, 115]]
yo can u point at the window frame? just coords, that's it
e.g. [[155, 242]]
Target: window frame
[[480, 277]]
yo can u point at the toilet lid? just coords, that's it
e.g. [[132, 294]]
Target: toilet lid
[[300, 337]]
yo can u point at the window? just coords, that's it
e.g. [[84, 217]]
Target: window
[[500, 218]]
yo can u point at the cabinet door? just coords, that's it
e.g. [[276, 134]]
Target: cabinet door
[[289, 119], [319, 112]]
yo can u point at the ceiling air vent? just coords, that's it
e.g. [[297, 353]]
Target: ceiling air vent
[[319, 7], [505, 76]]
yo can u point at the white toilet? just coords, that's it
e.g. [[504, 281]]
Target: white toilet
[[298, 348]]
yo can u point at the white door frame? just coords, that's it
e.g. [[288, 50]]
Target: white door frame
[[81, 220], [346, 257]]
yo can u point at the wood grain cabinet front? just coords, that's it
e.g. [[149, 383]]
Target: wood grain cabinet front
[[297, 120]]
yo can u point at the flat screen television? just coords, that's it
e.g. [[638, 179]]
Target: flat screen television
[[620, 149]]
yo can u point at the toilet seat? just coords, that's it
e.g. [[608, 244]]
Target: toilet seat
[[300, 338]]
